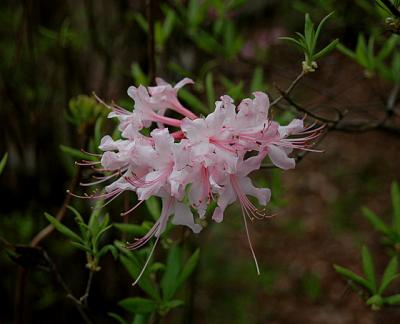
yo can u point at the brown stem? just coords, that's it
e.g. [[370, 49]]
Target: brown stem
[[289, 89], [44, 233], [306, 111]]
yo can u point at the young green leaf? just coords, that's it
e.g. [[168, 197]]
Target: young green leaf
[[368, 267], [169, 283], [352, 276], [153, 206], [133, 266], [389, 275], [63, 229], [396, 206], [376, 222], [189, 268], [195, 103], [257, 81], [138, 305], [82, 247], [117, 317], [132, 229], [3, 162], [210, 89], [392, 300], [324, 52]]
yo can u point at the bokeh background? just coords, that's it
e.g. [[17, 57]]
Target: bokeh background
[[55, 53]]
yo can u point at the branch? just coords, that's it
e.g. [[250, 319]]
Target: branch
[[45, 232], [285, 96], [289, 89]]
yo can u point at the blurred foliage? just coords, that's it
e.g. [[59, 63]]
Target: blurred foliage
[[375, 292], [54, 54]]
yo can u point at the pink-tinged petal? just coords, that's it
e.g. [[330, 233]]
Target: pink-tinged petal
[[151, 184], [108, 144], [183, 216], [166, 211], [251, 164], [161, 82], [279, 157], [181, 154], [295, 126], [113, 161], [218, 215], [183, 82], [195, 130], [132, 91], [261, 101], [226, 197], [121, 184], [162, 142], [263, 195]]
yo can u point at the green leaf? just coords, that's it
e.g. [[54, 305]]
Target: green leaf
[[329, 48], [396, 206], [117, 317], [210, 89], [141, 21], [169, 23], [368, 267], [257, 80], [376, 222], [108, 248], [193, 102], [153, 206], [138, 75], [138, 305], [3, 162], [82, 247], [169, 283], [352, 276], [140, 319], [392, 300], [321, 24], [343, 49], [77, 154], [165, 307], [293, 40], [389, 275], [134, 267], [133, 229], [189, 267], [388, 47], [99, 235], [97, 130], [63, 229], [78, 216]]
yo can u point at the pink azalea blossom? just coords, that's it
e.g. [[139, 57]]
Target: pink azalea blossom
[[204, 159]]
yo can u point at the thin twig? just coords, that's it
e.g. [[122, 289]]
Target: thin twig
[[85, 297], [289, 89], [306, 111], [45, 232]]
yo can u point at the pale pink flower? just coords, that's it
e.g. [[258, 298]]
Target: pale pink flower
[[206, 159]]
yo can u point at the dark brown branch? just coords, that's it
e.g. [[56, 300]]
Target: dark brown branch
[[285, 96], [44, 233], [289, 89]]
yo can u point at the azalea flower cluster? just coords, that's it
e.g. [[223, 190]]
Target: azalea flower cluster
[[192, 161]]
